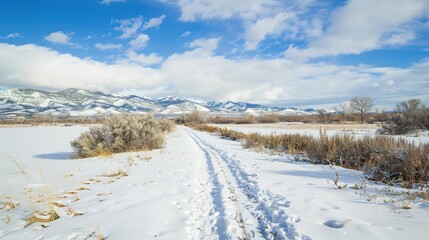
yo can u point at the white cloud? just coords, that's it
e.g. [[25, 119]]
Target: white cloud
[[139, 42], [13, 35], [364, 25], [209, 44], [208, 76], [223, 9], [34, 66], [185, 34], [285, 82], [107, 46], [142, 59], [266, 26], [108, 2], [129, 27], [153, 22], [58, 38]]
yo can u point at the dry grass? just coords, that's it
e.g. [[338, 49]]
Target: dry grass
[[117, 173], [382, 158], [19, 165], [96, 232], [71, 212], [42, 217], [8, 205]]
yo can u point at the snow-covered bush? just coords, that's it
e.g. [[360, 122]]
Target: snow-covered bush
[[122, 133]]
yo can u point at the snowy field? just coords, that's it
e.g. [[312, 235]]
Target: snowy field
[[198, 187], [356, 130]]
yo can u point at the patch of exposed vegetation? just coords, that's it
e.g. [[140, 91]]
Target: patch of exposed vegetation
[[122, 133]]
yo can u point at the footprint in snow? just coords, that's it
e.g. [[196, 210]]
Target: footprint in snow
[[336, 224]]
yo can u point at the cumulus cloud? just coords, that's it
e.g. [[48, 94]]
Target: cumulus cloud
[[284, 82], [34, 66], [206, 44], [107, 46], [139, 42], [142, 59], [58, 38], [129, 27], [266, 26], [153, 22], [363, 25], [108, 2], [205, 75]]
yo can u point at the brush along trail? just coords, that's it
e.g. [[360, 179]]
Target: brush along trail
[[237, 207]]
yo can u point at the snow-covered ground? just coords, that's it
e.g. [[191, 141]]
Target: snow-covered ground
[[198, 187], [314, 129]]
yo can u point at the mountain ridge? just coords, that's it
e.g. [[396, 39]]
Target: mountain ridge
[[80, 102]]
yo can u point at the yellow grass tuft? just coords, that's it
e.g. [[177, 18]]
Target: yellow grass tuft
[[8, 206], [118, 173], [42, 217]]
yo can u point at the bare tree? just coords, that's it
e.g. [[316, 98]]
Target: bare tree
[[410, 106], [322, 114], [362, 105]]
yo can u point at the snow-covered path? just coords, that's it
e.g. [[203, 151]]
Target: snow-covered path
[[198, 187], [247, 210]]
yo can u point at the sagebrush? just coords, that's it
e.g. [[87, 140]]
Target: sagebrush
[[122, 133]]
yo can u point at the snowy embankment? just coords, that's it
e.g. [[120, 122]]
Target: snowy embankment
[[198, 187]]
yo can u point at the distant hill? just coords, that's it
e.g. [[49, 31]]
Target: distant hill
[[78, 102]]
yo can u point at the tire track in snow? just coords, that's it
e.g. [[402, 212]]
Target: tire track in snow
[[268, 208], [224, 213]]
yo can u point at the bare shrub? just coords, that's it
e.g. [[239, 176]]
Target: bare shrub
[[121, 134], [221, 120], [269, 118], [412, 115], [195, 117], [245, 119]]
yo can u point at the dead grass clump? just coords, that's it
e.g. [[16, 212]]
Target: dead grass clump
[[42, 217], [8, 206], [96, 232], [58, 204], [231, 134], [254, 140], [117, 173], [71, 212], [122, 134]]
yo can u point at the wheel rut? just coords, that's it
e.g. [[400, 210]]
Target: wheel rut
[[244, 210]]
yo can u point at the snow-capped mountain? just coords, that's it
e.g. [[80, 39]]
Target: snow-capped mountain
[[78, 102]]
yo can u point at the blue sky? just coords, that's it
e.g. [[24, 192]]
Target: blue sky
[[276, 52]]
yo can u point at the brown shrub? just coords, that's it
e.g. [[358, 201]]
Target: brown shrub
[[122, 134], [269, 118], [382, 158], [245, 119]]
